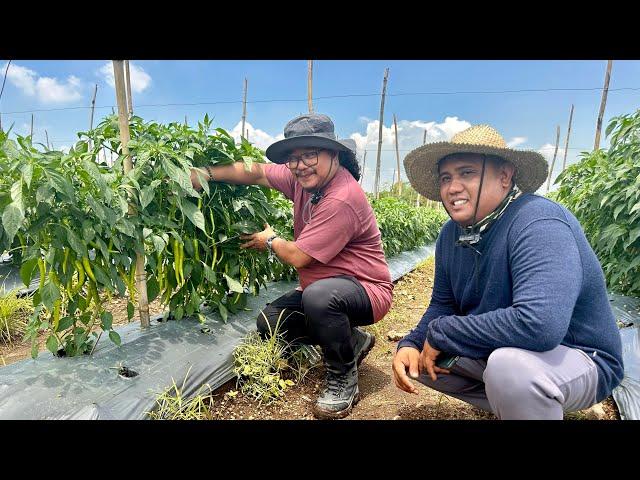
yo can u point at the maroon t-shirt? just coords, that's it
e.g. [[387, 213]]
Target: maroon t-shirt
[[342, 234]]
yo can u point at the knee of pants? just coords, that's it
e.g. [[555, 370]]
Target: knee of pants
[[317, 300], [508, 376]]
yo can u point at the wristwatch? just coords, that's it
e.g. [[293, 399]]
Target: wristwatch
[[270, 241]]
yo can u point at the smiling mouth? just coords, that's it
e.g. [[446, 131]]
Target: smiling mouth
[[458, 203]]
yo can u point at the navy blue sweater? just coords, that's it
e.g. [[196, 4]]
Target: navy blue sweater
[[539, 285]]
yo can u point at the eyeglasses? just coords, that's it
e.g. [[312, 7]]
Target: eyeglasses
[[310, 159]]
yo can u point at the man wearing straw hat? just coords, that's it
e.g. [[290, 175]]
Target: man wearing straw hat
[[519, 322], [337, 251]]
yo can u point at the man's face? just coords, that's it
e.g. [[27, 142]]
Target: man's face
[[318, 170], [459, 177]]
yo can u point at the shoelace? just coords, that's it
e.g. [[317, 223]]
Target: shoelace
[[336, 383]]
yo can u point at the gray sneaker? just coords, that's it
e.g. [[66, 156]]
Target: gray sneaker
[[364, 342], [339, 396]]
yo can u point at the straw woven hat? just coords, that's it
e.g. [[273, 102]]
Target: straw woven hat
[[421, 164]]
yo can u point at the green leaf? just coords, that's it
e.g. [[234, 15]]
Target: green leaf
[[248, 162], [223, 312], [130, 310], [191, 211], [146, 196], [617, 211], [27, 174], [209, 274], [61, 184], [633, 235], [101, 277], [179, 313], [179, 176], [12, 219], [27, 269], [50, 293], [78, 246], [234, 285], [52, 343], [115, 338], [107, 320], [158, 243], [64, 324], [153, 289]]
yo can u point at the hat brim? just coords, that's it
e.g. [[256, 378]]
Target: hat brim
[[421, 165], [277, 152]]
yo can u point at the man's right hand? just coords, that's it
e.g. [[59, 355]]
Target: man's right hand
[[195, 181], [406, 358]]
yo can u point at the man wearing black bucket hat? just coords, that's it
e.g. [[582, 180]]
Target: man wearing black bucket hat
[[519, 321], [344, 278]]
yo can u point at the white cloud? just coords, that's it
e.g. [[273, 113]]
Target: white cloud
[[410, 136], [45, 89], [515, 141], [140, 80], [257, 137], [547, 151]]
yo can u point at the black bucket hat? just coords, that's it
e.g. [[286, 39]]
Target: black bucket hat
[[308, 131]]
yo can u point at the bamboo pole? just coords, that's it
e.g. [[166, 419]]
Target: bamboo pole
[[31, 134], [395, 126], [128, 79], [376, 186], [310, 85], [185, 121], [46, 134], [424, 138], [93, 106], [4, 80], [603, 103], [123, 120], [364, 163], [566, 145], [553, 162], [244, 110]]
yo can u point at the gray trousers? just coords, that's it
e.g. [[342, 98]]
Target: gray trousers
[[517, 384]]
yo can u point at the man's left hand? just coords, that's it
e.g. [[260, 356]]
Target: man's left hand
[[428, 361], [258, 240]]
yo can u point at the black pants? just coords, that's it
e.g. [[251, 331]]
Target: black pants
[[324, 315]]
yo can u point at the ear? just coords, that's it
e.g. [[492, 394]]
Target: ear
[[507, 171]]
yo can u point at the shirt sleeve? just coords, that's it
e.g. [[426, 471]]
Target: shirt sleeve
[[280, 178], [333, 224], [442, 303]]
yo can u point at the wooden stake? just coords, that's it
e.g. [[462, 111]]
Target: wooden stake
[[603, 103], [376, 185], [123, 120], [310, 86], [128, 79], [554, 157], [47, 137], [244, 109], [566, 145], [424, 139], [93, 106], [364, 163], [395, 126], [31, 127], [185, 121]]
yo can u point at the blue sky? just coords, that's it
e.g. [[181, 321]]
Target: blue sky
[[526, 119]]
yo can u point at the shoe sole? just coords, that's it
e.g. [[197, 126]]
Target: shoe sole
[[366, 351], [331, 415]]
